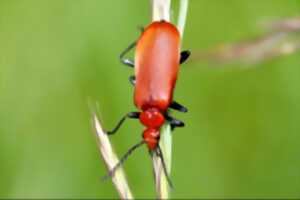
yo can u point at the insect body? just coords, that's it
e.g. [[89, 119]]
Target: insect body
[[156, 65], [156, 68]]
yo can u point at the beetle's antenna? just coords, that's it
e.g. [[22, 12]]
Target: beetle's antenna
[[113, 170], [164, 166]]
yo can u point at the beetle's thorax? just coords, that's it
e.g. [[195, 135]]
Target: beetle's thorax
[[153, 119]]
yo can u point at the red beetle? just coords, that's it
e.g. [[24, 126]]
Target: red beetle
[[156, 65]]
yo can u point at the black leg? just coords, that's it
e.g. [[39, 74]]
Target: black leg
[[127, 61], [174, 122], [132, 80], [134, 115], [176, 106], [160, 154], [113, 170], [141, 28], [184, 55]]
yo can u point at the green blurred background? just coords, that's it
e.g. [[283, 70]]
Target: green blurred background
[[241, 138]]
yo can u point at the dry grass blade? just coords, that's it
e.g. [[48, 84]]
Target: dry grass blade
[[288, 24], [182, 16], [161, 10], [283, 38], [162, 185], [111, 159]]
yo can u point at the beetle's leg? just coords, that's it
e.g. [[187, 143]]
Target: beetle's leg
[[127, 61], [176, 106], [184, 55], [132, 80], [134, 115], [141, 28], [174, 122]]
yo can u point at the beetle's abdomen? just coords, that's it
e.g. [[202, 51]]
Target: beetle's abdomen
[[156, 65]]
